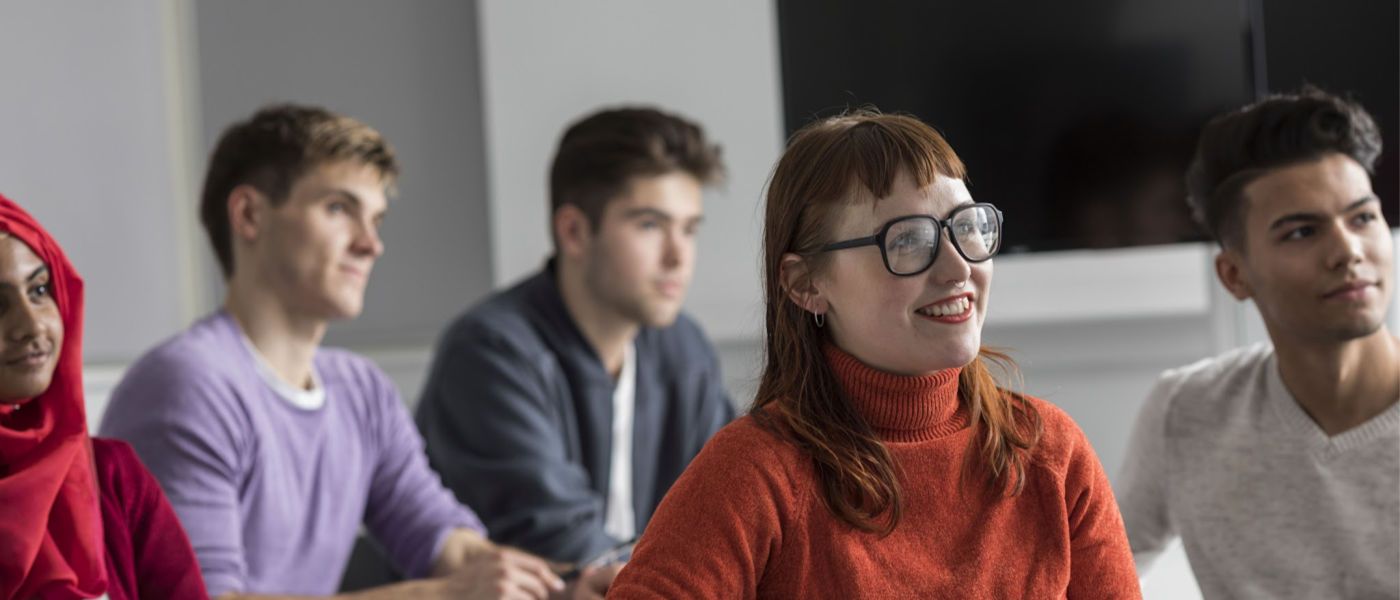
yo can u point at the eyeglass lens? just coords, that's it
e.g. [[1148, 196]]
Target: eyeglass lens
[[911, 245]]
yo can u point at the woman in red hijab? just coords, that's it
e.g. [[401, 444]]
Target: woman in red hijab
[[79, 517]]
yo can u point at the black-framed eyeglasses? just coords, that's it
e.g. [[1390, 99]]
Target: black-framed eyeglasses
[[910, 244]]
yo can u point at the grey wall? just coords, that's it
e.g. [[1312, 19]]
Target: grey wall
[[545, 64], [409, 69], [89, 145]]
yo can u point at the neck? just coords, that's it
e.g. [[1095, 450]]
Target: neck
[[287, 340], [605, 329], [901, 408], [1342, 385]]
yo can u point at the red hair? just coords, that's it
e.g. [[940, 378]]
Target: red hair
[[824, 162]]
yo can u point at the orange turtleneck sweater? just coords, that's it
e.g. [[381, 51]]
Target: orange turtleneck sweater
[[747, 518]]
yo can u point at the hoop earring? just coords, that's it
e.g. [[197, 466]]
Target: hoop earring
[[819, 319]]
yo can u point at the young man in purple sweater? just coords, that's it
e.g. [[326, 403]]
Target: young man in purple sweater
[[273, 450]]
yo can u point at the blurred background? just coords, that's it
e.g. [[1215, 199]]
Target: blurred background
[[1077, 118]]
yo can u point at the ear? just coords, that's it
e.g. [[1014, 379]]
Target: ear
[[246, 212], [1229, 267], [572, 230], [800, 285]]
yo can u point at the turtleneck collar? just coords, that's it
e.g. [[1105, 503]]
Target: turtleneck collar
[[901, 408]]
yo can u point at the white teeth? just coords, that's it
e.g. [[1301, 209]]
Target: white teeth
[[956, 307]]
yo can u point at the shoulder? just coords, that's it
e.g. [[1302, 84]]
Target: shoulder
[[505, 320], [193, 377], [747, 439], [1212, 378], [1209, 390], [120, 472], [1061, 440], [113, 455], [746, 450], [200, 355]]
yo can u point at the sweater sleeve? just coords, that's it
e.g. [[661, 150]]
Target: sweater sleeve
[[408, 509], [1142, 483], [165, 565], [494, 433], [721, 524], [1101, 565]]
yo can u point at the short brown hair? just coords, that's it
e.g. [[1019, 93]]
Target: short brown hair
[[1237, 147], [600, 154], [274, 148]]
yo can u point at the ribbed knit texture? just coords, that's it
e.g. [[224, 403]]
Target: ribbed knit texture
[[901, 408], [748, 519]]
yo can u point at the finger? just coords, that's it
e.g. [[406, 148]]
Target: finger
[[515, 592], [529, 583], [537, 568]]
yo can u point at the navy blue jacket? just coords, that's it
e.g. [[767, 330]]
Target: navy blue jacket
[[517, 417]]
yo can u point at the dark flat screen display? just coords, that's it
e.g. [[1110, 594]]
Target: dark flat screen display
[[1076, 117]]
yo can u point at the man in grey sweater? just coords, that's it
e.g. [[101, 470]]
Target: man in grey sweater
[[1278, 465]]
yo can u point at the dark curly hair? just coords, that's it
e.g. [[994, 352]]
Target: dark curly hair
[[1237, 147]]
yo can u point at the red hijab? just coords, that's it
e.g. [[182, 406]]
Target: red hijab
[[50, 520]]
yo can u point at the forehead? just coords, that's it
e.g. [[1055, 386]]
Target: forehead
[[17, 259], [1326, 186], [678, 194], [865, 215]]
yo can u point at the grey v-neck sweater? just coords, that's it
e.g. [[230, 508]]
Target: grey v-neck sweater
[[1267, 505]]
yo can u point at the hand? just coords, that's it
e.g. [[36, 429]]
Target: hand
[[593, 582], [505, 573]]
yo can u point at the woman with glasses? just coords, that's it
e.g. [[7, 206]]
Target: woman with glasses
[[881, 459], [80, 517]]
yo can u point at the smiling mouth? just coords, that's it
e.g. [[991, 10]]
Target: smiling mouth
[[955, 309], [29, 359]]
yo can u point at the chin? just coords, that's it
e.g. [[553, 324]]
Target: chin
[[659, 315], [1357, 330], [953, 357], [24, 392], [343, 309]]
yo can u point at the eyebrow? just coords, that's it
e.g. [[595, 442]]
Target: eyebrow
[[1315, 217], [42, 270], [633, 213]]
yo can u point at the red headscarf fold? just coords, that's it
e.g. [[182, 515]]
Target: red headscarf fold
[[51, 537]]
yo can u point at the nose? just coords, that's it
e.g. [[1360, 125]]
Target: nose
[[22, 322], [949, 267], [1347, 249], [367, 241], [674, 249]]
